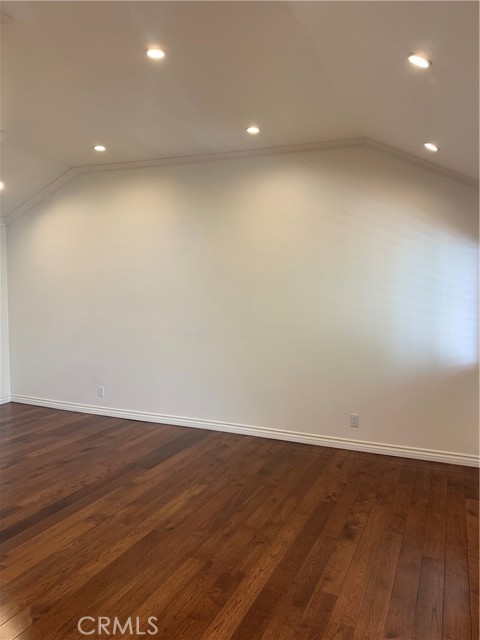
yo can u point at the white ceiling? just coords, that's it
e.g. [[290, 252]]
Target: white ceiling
[[75, 73]]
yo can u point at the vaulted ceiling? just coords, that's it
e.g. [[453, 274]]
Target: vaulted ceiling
[[75, 74]]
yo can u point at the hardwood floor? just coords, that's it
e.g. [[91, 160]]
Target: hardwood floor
[[224, 537]]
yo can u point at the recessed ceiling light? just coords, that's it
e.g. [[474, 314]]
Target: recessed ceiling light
[[2, 186], [419, 61], [155, 53], [431, 147], [253, 130], [100, 148]]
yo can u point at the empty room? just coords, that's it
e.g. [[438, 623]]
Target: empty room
[[239, 320]]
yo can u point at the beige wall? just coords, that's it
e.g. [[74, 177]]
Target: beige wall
[[4, 348], [284, 291]]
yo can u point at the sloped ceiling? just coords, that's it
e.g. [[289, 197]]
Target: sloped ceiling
[[75, 74]]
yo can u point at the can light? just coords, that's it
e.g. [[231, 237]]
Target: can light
[[155, 53], [431, 147], [419, 61], [100, 148], [253, 130]]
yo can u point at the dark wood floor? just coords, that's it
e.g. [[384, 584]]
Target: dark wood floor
[[228, 537]]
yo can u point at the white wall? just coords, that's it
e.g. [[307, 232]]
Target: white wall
[[285, 291], [4, 348]]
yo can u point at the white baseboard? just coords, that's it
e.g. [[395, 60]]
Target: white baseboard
[[262, 432], [5, 399]]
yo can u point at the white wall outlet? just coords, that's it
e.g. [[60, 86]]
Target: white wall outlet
[[101, 391], [354, 420]]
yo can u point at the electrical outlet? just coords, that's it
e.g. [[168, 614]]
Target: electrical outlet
[[354, 420], [101, 391]]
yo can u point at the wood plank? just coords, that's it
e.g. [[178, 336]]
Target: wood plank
[[377, 596], [228, 537], [400, 618], [429, 608], [456, 605], [471, 505]]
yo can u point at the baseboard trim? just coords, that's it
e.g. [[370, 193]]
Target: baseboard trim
[[261, 432], [5, 399]]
